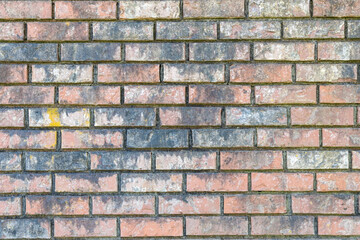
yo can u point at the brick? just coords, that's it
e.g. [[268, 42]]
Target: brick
[[251, 160], [64, 73], [219, 51], [128, 73], [27, 139], [90, 51], [25, 228], [338, 181], [154, 52], [355, 160], [250, 30], [125, 117], [282, 225], [15, 95], [288, 137], [341, 137], [322, 116], [317, 160], [340, 225], [254, 116], [120, 160], [59, 117], [95, 138], [11, 117], [151, 227], [151, 182], [123, 205], [353, 29], [10, 161], [13, 73], [293, 94], [57, 31], [186, 30], [217, 182], [56, 161], [323, 204], [92, 95], [158, 138], [340, 51], [336, 8], [85, 227], [287, 182], [124, 31], [11, 206], [260, 73], [284, 51], [28, 52], [314, 29], [189, 205], [254, 204], [11, 31], [86, 182], [222, 138], [20, 9], [57, 205], [214, 9], [167, 9], [339, 94], [154, 95], [218, 226], [190, 116], [332, 73], [195, 73], [25, 183], [279, 8], [85, 10], [224, 94], [185, 160]]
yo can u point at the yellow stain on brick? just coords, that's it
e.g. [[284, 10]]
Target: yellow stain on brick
[[67, 23], [54, 117], [87, 114]]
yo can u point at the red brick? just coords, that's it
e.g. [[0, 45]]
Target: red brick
[[284, 51], [13, 73], [339, 94], [11, 117], [323, 204], [93, 95], [21, 9], [190, 116], [214, 9], [336, 8], [123, 205], [167, 9], [218, 226], [282, 182], [151, 227], [27, 139], [185, 160], [10, 206], [211, 94], [254, 204], [154, 94], [288, 138], [25, 183], [261, 73], [322, 116], [355, 159], [15, 95], [339, 225], [128, 73], [251, 160], [86, 182], [85, 10], [98, 138], [85, 227], [341, 137], [282, 225], [190, 205], [151, 182], [11, 31], [294, 94], [338, 181], [57, 205], [217, 182], [57, 31]]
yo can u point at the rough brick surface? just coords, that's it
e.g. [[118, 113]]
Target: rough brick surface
[[180, 119]]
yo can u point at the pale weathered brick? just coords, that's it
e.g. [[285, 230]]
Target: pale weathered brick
[[317, 160]]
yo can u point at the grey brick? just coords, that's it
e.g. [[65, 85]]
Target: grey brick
[[256, 116], [62, 73], [219, 51], [125, 117], [123, 31], [24, 228], [223, 138], [314, 29], [250, 30], [10, 161], [90, 51], [354, 29], [317, 160], [163, 138], [120, 160], [155, 52], [194, 73], [28, 52], [186, 30]]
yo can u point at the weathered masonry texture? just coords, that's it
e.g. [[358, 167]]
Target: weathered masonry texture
[[180, 119]]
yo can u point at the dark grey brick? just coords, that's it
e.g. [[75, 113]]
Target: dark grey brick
[[10, 161], [90, 51], [123, 31], [125, 117], [24, 228], [120, 160], [186, 30], [219, 51], [28, 52], [163, 138], [223, 138]]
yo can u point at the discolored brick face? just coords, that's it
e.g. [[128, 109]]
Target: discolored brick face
[[179, 119]]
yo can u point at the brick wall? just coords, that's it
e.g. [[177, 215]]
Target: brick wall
[[179, 118]]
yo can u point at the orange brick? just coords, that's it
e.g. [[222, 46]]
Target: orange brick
[[282, 181]]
